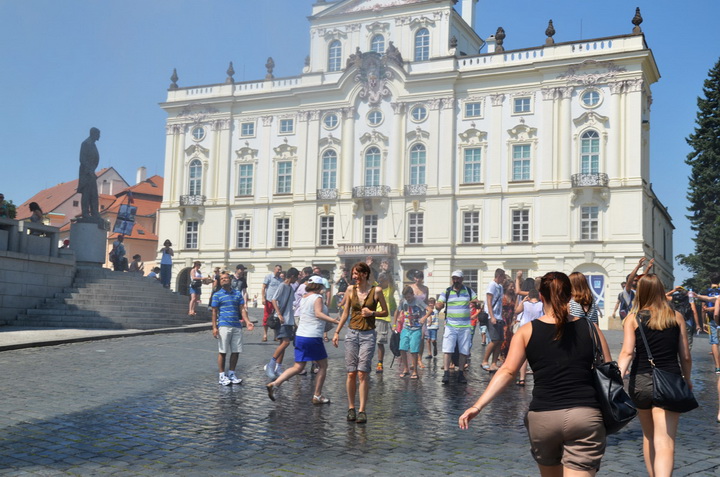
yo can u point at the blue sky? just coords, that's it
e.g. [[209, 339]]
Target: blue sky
[[68, 65]]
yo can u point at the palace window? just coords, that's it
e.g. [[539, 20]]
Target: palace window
[[245, 180], [521, 162], [335, 56], [282, 233], [377, 44], [422, 45], [372, 167], [521, 225], [191, 234], [284, 177], [417, 164], [471, 165], [243, 234], [370, 229], [327, 230], [589, 223], [415, 227], [590, 152], [471, 227], [329, 169], [195, 176]]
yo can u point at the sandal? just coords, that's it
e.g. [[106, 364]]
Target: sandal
[[320, 400], [520, 382], [264, 338], [413, 376], [361, 417], [351, 414], [403, 375]]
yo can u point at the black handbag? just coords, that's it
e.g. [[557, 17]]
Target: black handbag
[[670, 390], [273, 321], [615, 403]]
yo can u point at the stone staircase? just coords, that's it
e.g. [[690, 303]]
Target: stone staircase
[[102, 299]]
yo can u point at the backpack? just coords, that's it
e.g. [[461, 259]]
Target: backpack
[[681, 303], [394, 345]]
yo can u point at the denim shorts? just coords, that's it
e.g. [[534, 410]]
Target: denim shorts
[[359, 350], [714, 333]]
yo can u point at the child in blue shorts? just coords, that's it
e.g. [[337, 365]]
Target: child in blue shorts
[[433, 324], [414, 311]]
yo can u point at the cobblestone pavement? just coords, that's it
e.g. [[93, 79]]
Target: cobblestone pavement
[[151, 405]]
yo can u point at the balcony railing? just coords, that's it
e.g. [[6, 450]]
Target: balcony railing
[[365, 249], [192, 200], [327, 194], [416, 190], [370, 191], [594, 179]]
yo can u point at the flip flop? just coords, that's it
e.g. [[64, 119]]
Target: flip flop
[[402, 375], [486, 367], [413, 376], [520, 382]]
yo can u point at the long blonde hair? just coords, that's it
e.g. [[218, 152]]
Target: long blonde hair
[[650, 296]]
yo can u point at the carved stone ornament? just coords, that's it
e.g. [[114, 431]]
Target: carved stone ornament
[[637, 20], [221, 124], [418, 134], [373, 75], [550, 32], [174, 128], [378, 27], [373, 137], [196, 149], [393, 54], [329, 141], [421, 22], [499, 39], [473, 136], [522, 132], [353, 27], [573, 75], [399, 107], [246, 154], [303, 116], [270, 66], [497, 99], [174, 78], [196, 114], [230, 72], [590, 118], [285, 151], [267, 120], [332, 34], [434, 104]]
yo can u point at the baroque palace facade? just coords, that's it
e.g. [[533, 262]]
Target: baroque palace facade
[[400, 141]]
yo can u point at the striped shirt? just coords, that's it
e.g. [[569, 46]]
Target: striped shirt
[[457, 311], [228, 304]]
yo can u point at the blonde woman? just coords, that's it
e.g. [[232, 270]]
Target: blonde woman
[[667, 337]]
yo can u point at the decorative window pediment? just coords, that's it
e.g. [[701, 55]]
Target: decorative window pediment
[[329, 141], [522, 132], [284, 152], [421, 22], [332, 34], [196, 149], [591, 119], [418, 134], [579, 74], [378, 27], [473, 136], [246, 154], [373, 137]]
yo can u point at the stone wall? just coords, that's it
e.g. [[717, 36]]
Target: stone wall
[[26, 280]]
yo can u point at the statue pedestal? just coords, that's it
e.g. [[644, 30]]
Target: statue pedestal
[[89, 242]]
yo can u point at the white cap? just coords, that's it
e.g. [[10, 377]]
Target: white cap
[[457, 273], [319, 280]]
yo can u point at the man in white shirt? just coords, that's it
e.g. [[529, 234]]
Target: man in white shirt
[[496, 324]]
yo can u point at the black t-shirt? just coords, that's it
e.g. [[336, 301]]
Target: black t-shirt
[[562, 368]]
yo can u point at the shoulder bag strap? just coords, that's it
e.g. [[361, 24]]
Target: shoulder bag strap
[[647, 347], [599, 357]]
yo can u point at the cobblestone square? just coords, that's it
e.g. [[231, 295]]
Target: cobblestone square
[[151, 405]]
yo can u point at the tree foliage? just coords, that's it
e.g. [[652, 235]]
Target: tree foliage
[[704, 184]]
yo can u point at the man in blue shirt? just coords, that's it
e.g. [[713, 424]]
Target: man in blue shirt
[[227, 308]]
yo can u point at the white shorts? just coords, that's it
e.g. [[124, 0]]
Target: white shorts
[[229, 339], [462, 337]]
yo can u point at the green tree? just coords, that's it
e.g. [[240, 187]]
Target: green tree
[[704, 186]]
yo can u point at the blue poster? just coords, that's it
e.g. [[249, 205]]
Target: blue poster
[[597, 285]]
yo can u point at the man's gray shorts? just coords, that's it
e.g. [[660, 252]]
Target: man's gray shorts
[[382, 328], [359, 350], [496, 332]]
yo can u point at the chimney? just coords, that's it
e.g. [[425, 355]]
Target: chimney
[[468, 12], [490, 42], [141, 175]]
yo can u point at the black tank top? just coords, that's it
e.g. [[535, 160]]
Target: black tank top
[[562, 368], [663, 344]]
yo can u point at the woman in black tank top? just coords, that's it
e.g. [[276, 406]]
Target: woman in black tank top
[[667, 337], [564, 421]]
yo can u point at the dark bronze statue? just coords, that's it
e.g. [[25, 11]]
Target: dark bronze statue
[[87, 180]]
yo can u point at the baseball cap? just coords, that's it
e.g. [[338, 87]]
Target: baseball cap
[[457, 273], [319, 280], [240, 267]]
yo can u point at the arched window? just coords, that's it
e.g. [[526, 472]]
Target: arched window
[[334, 56], [372, 167], [417, 164], [195, 175], [377, 44], [590, 152], [329, 169], [422, 45]]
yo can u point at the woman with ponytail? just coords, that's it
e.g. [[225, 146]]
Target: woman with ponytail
[[564, 422]]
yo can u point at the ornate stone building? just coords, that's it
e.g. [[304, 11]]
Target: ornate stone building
[[410, 138]]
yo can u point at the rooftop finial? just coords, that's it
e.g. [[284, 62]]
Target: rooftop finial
[[499, 38], [174, 79], [230, 72], [637, 20], [550, 32], [270, 65]]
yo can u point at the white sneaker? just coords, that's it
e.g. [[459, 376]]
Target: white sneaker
[[278, 371], [224, 381], [233, 378]]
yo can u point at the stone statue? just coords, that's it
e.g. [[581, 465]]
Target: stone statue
[[87, 180]]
